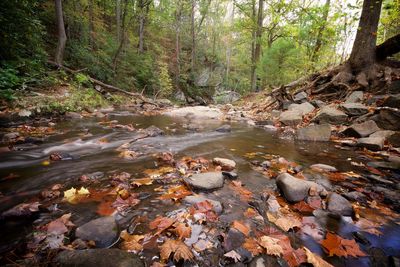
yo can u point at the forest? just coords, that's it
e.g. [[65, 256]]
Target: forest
[[200, 133]]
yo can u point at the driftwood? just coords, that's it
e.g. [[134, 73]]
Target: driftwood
[[104, 85]]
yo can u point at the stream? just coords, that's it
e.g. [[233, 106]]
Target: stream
[[91, 147]]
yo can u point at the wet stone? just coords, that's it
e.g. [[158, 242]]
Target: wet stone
[[230, 175], [355, 196], [198, 198], [302, 109], [226, 128], [153, 131], [389, 120], [98, 258], [340, 205], [361, 129], [300, 97], [206, 181], [290, 117], [314, 133], [355, 97], [394, 139], [73, 115], [226, 164], [329, 114], [371, 143], [323, 167], [354, 109], [103, 231], [9, 137], [234, 239]]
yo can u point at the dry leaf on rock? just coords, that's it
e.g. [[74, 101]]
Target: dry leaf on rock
[[143, 181], [335, 245], [316, 260], [131, 242], [285, 223], [178, 248], [161, 224], [252, 246], [241, 227], [233, 255], [182, 230], [271, 245], [176, 193]]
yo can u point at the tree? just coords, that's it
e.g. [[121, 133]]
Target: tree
[[257, 45], [363, 52], [62, 37]]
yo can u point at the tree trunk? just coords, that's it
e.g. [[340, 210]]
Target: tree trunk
[[363, 53], [123, 36], [229, 46], [253, 78], [62, 37], [257, 50], [118, 18], [91, 24], [193, 33], [318, 43], [388, 48], [178, 17], [141, 26]]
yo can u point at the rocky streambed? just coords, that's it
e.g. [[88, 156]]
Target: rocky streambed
[[189, 188]]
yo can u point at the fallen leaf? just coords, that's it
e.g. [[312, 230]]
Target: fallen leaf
[[285, 223], [303, 208], [178, 248], [83, 191], [250, 213], [335, 245], [241, 227], [143, 181], [244, 194], [182, 230], [233, 255], [129, 154], [131, 242], [271, 245], [158, 172], [161, 224], [176, 193], [253, 246], [315, 260]]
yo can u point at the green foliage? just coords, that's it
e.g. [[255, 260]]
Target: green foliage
[[165, 81]]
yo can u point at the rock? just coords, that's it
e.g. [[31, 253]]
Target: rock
[[394, 139], [270, 128], [300, 97], [361, 129], [265, 123], [99, 114], [233, 240], [355, 97], [164, 102], [198, 198], [362, 80], [103, 231], [354, 109], [226, 128], [226, 97], [384, 165], [338, 204], [318, 103], [10, 137], [196, 112], [206, 181], [295, 189], [230, 175], [98, 258], [329, 114], [73, 115], [153, 131], [383, 133], [302, 109], [323, 167], [24, 113], [226, 164], [290, 118], [392, 101], [388, 120], [343, 77], [371, 143], [275, 113], [314, 133], [355, 196]]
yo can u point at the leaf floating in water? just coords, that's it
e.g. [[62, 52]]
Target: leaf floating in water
[[182, 230], [143, 181], [241, 227], [335, 245], [161, 224], [158, 172], [176, 193], [83, 191], [180, 250], [72, 195], [22, 209], [131, 242], [45, 163]]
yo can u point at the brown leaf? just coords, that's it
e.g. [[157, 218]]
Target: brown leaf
[[241, 227], [335, 245], [315, 260], [271, 245], [182, 230], [131, 242], [128, 154], [176, 193], [244, 194], [161, 224], [143, 181], [303, 208], [233, 255], [178, 248], [285, 223], [252, 246]]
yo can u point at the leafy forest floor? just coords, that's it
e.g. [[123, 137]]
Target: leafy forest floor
[[255, 202]]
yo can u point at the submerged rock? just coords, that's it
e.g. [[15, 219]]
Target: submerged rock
[[206, 181], [226, 128], [361, 129], [103, 231], [295, 189], [226, 164], [329, 114], [314, 133], [340, 205], [153, 131], [198, 198], [98, 258]]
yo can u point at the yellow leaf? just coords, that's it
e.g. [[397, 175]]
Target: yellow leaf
[[131, 242], [271, 245], [69, 195], [45, 163], [181, 250], [83, 191]]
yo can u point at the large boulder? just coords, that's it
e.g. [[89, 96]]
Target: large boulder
[[361, 129], [226, 164], [206, 181], [388, 120], [98, 258], [355, 97], [383, 133], [329, 114], [303, 108], [338, 204], [103, 231], [290, 117], [196, 112], [295, 189], [314, 133], [198, 198], [371, 143], [354, 109], [392, 101]]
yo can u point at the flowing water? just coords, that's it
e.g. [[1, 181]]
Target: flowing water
[[96, 152]]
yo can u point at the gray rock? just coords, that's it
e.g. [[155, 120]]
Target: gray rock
[[343, 77], [295, 189], [314, 133], [392, 101], [24, 113], [226, 164], [384, 165], [103, 231], [338, 204], [153, 131], [230, 175], [196, 112], [300, 97], [362, 80], [196, 199], [226, 128], [206, 181], [73, 115], [371, 143], [361, 129], [9, 137], [394, 139], [164, 102], [275, 113], [318, 103], [323, 167], [354, 109], [329, 114], [290, 118], [302, 109], [383, 133], [98, 258], [355, 196], [355, 97], [388, 120]]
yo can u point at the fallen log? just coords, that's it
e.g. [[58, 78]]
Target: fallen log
[[102, 84], [388, 48]]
